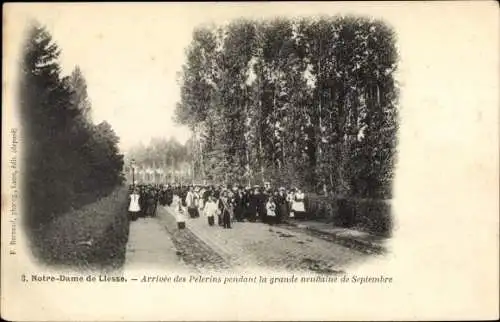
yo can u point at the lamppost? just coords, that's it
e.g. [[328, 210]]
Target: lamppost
[[132, 165]]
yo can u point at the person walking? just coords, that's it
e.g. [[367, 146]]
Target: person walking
[[218, 195], [162, 195], [134, 208], [255, 204], [261, 200], [282, 205], [298, 205], [197, 198], [226, 210], [179, 213], [206, 194], [183, 195], [169, 195], [150, 201], [211, 210], [201, 199], [239, 204], [142, 200], [191, 203], [247, 193], [270, 211], [156, 198], [289, 198]]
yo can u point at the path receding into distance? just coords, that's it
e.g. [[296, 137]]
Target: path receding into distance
[[149, 245], [158, 243]]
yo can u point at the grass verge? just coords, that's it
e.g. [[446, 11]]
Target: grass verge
[[370, 215], [93, 237]]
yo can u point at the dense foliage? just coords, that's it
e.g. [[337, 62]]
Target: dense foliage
[[308, 102], [69, 160]]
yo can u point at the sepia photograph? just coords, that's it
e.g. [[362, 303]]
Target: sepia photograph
[[232, 144], [285, 160]]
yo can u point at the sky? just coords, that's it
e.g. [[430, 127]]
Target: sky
[[130, 63], [130, 55]]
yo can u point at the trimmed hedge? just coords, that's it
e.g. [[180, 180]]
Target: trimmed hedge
[[370, 215], [92, 237]]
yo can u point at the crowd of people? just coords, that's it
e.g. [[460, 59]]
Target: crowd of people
[[143, 200], [226, 204]]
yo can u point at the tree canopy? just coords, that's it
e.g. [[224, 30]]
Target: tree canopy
[[308, 102]]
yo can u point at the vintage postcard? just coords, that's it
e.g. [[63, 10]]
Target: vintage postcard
[[250, 161]]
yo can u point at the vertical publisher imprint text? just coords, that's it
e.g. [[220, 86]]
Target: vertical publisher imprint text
[[13, 188]]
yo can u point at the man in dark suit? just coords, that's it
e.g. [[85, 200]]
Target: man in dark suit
[[226, 209], [282, 205], [257, 205], [239, 204]]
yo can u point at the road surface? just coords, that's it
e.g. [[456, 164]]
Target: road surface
[[246, 247]]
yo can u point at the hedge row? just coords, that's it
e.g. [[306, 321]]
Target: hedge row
[[92, 237], [370, 215]]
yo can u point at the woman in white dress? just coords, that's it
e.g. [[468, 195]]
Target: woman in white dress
[[192, 203], [211, 210], [134, 208], [271, 211], [201, 202], [298, 206], [289, 198], [179, 212]]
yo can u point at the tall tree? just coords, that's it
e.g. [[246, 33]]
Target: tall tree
[[309, 102], [47, 111], [63, 167], [79, 87]]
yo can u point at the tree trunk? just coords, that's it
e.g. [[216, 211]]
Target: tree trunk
[[341, 144], [320, 121], [202, 161], [261, 158], [261, 161], [275, 118]]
